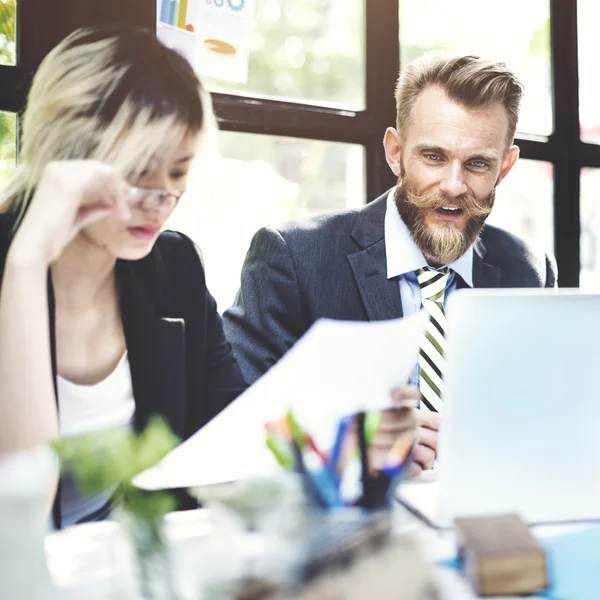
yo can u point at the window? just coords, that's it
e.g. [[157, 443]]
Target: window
[[589, 90], [8, 143], [8, 32], [524, 203], [520, 37], [538, 39], [260, 180], [325, 70], [310, 52], [590, 230]]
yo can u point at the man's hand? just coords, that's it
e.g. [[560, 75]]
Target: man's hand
[[398, 424], [425, 450]]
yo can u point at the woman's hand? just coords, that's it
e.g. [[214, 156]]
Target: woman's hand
[[71, 195]]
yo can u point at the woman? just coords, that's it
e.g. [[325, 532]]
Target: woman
[[112, 124], [101, 315]]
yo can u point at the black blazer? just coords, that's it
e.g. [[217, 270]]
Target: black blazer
[[334, 266], [182, 367]]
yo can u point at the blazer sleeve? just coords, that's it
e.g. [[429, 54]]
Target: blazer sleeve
[[267, 318], [221, 379], [224, 379]]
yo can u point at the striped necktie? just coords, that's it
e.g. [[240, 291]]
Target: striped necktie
[[433, 346]]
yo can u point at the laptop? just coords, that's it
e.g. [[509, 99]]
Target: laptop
[[521, 423]]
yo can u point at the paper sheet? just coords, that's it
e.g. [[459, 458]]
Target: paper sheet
[[337, 368]]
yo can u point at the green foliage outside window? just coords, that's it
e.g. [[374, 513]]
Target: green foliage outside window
[[8, 28], [8, 121]]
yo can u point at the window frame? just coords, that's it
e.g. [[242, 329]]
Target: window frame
[[39, 29]]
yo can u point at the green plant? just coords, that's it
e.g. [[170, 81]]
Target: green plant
[[100, 459]]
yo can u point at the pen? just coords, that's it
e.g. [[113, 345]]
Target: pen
[[340, 436], [364, 454], [279, 449], [310, 486]]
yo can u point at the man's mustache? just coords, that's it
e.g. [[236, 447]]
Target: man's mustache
[[434, 200]]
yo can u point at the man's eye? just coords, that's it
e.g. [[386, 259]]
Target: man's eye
[[478, 164], [178, 175], [433, 157]]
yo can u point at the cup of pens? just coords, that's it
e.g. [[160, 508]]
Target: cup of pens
[[340, 474], [328, 502], [347, 484]]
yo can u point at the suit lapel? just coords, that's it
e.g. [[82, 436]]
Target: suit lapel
[[485, 275], [380, 295], [156, 347]]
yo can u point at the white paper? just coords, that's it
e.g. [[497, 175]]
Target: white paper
[[224, 28], [337, 368], [184, 42]]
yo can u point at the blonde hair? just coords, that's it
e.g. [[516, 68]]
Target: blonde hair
[[468, 80], [111, 94]]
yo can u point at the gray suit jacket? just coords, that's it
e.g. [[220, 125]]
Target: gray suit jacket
[[335, 266]]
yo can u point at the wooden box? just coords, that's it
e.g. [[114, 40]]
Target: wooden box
[[501, 557]]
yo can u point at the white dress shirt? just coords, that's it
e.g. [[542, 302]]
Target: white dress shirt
[[404, 258]]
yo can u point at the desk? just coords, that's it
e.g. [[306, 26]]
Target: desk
[[88, 561], [94, 562]]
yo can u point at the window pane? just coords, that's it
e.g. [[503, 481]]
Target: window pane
[[588, 13], [259, 180], [589, 242], [310, 52], [524, 203], [516, 32], [8, 31], [8, 143]]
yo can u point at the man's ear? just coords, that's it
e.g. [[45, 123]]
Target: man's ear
[[509, 160], [392, 147]]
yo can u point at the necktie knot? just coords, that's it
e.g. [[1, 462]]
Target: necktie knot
[[433, 283]]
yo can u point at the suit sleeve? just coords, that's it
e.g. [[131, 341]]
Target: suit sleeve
[[266, 318]]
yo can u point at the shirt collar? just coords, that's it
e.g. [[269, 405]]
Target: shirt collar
[[402, 254]]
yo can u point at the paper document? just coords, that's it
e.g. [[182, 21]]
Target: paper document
[[337, 368]]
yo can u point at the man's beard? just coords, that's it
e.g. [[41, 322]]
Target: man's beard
[[445, 243]]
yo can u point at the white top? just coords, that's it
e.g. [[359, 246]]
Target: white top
[[104, 405], [84, 409]]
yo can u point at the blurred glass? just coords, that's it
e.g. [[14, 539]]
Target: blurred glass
[[8, 32], [309, 51], [259, 180], [8, 142], [524, 203], [589, 241], [588, 14], [516, 32]]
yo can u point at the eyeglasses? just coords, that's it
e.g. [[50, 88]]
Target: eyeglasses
[[152, 198]]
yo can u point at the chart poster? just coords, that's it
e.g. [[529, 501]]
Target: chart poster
[[214, 35]]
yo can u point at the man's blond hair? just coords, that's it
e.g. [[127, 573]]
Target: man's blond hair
[[469, 80]]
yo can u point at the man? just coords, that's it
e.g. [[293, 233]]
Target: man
[[410, 248]]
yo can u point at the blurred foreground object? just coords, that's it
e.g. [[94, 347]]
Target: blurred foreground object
[[102, 458], [24, 500], [391, 572]]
